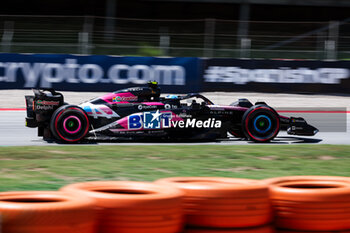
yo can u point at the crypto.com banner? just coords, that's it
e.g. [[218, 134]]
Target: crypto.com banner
[[96, 73], [276, 76], [175, 75]]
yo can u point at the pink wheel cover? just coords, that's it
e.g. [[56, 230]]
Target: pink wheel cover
[[67, 130]]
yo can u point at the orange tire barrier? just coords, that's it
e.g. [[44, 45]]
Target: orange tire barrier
[[291, 231], [311, 203], [223, 202], [46, 212], [263, 229], [133, 207]]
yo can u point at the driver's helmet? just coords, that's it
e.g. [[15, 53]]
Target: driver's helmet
[[153, 84]]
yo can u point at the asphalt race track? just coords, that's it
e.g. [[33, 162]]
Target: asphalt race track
[[334, 129]]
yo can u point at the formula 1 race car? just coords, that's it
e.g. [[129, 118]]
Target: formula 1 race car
[[140, 113]]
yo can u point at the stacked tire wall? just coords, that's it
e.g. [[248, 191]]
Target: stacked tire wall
[[311, 203], [318, 204], [223, 203], [131, 207]]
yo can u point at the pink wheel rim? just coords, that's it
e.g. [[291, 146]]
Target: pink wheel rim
[[69, 131]]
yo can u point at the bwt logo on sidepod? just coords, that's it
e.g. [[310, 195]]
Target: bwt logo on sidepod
[[46, 74], [150, 120]]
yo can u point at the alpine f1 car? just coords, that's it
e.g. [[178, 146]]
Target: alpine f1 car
[[140, 113]]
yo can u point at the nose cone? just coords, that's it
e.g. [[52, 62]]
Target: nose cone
[[302, 130]]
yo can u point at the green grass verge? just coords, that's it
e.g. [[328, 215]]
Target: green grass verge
[[40, 168]]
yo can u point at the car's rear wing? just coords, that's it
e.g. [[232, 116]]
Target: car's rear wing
[[29, 105], [42, 105]]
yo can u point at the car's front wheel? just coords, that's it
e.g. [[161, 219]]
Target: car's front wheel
[[260, 123], [69, 124]]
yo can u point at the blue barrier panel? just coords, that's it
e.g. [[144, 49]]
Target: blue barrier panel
[[280, 76], [175, 75], [97, 73]]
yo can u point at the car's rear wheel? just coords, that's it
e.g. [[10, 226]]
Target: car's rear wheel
[[260, 123], [69, 124]]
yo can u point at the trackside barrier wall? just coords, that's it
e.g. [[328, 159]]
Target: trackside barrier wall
[[276, 76], [96, 73], [175, 75]]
